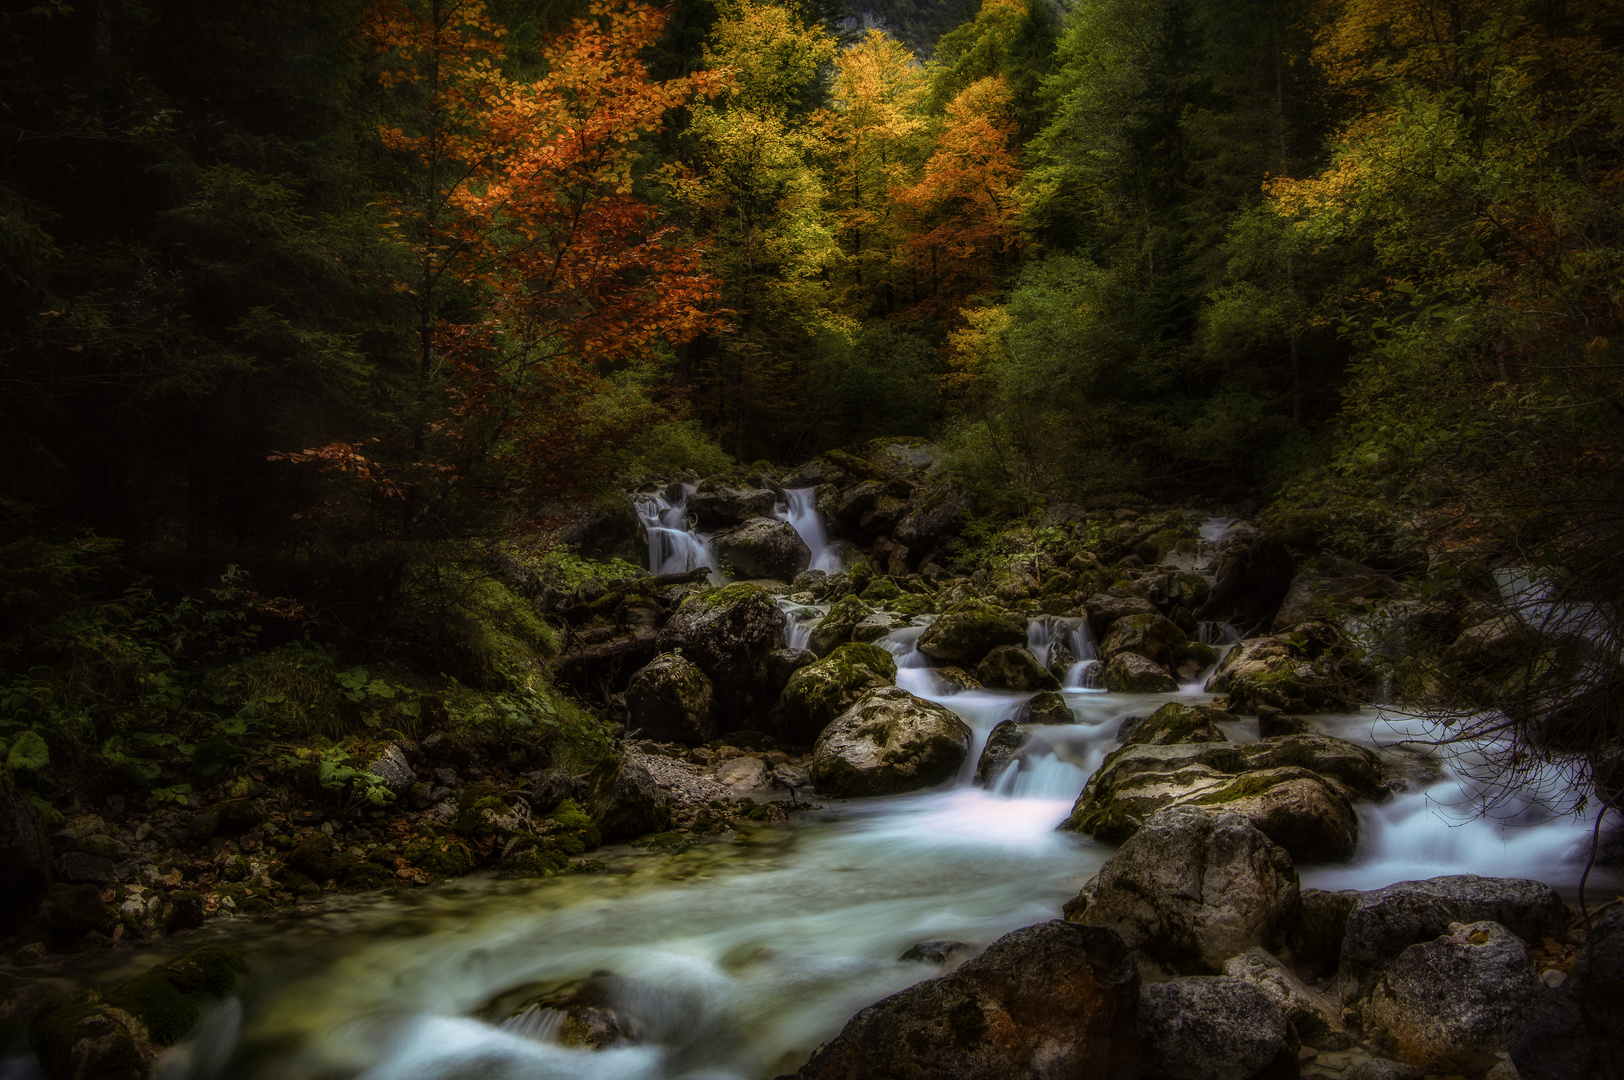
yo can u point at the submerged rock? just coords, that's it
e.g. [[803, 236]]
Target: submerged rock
[[1045, 707], [819, 692], [764, 548], [1449, 1004], [1191, 889], [1213, 1028], [671, 700], [889, 742], [1047, 1002]]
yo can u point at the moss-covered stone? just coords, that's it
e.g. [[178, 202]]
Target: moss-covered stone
[[574, 827], [154, 1000], [968, 631], [314, 857], [442, 856], [1177, 722], [485, 809], [1013, 667], [819, 692], [80, 1037], [1048, 707], [837, 626], [881, 591], [1130, 673]]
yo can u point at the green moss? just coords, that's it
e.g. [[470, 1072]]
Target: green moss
[[669, 842], [728, 595], [581, 830], [154, 1000], [881, 590], [59, 1026], [445, 856]]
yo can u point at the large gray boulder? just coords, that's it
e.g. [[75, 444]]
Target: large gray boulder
[[837, 626], [1575, 1031], [719, 506], [1389, 920], [1315, 1018], [1177, 722], [1298, 789], [1298, 672], [888, 742], [763, 548], [933, 512], [671, 700], [817, 693], [1213, 1028], [1130, 673], [966, 632], [1104, 609], [1047, 1002], [1013, 667], [1449, 1005], [1151, 636], [1191, 889], [729, 633], [631, 803]]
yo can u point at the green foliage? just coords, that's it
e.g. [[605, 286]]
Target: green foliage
[[879, 381]]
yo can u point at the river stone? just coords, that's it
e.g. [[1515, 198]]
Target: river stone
[[763, 548], [1191, 889], [1294, 673], [1177, 722], [1151, 636], [1004, 743], [1389, 920], [889, 742], [1045, 707], [1332, 580], [876, 625], [670, 700], [1104, 609], [782, 664], [728, 633], [1130, 673], [80, 1037], [632, 804], [837, 626], [720, 506], [1447, 1005], [1298, 789], [1575, 1031], [745, 773], [25, 852], [819, 692], [1213, 1028], [969, 631], [1315, 1018], [1047, 1002], [389, 765], [933, 952], [1013, 667], [1494, 640]]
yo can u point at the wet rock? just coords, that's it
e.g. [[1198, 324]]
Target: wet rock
[[633, 803], [1293, 673], [969, 631], [1046, 1002], [1004, 744], [1191, 889], [1385, 922], [742, 773], [1315, 1018], [1299, 790], [1381, 1069], [1332, 581], [888, 742], [79, 1037], [729, 633], [1213, 1028], [1575, 1031], [819, 692], [1104, 609], [1490, 641], [1045, 707], [1316, 938], [837, 626], [671, 700], [1013, 667], [1151, 636], [556, 785], [1272, 723], [1130, 673], [933, 952], [1447, 1005], [1177, 722], [25, 852], [875, 626], [720, 506], [1253, 576], [764, 548]]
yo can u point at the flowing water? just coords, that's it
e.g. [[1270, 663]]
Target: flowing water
[[673, 548], [737, 957]]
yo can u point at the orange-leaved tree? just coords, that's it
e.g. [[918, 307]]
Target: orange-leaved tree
[[538, 261]]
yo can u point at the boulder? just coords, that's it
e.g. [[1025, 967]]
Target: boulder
[[1298, 789], [1004, 743], [1315, 1018], [1488, 642], [388, 765], [1047, 1002], [933, 512], [783, 663], [1104, 609], [744, 773], [1253, 576], [1191, 889], [875, 626], [1213, 1028], [837, 626], [968, 631], [1295, 673], [1385, 922], [763, 548], [632, 803], [1449, 1004], [819, 692], [1045, 707], [1331, 581], [720, 506], [1151, 636], [1575, 1031], [1013, 667], [25, 852], [671, 700], [1177, 722], [729, 633], [1130, 673], [889, 741]]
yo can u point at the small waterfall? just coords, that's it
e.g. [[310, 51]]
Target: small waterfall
[[673, 548], [1215, 529], [1086, 670], [802, 512], [801, 620]]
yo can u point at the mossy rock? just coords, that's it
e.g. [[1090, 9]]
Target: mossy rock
[[484, 809], [169, 998], [1013, 667], [315, 857], [535, 857], [72, 911], [837, 626], [1130, 673], [82, 1037], [1176, 722], [968, 631], [575, 828], [444, 856], [881, 591], [1046, 707], [819, 692]]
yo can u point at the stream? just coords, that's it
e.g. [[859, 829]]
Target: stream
[[738, 956]]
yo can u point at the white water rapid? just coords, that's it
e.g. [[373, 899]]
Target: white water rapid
[[673, 546], [800, 510]]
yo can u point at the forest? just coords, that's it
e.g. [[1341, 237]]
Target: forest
[[338, 337]]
